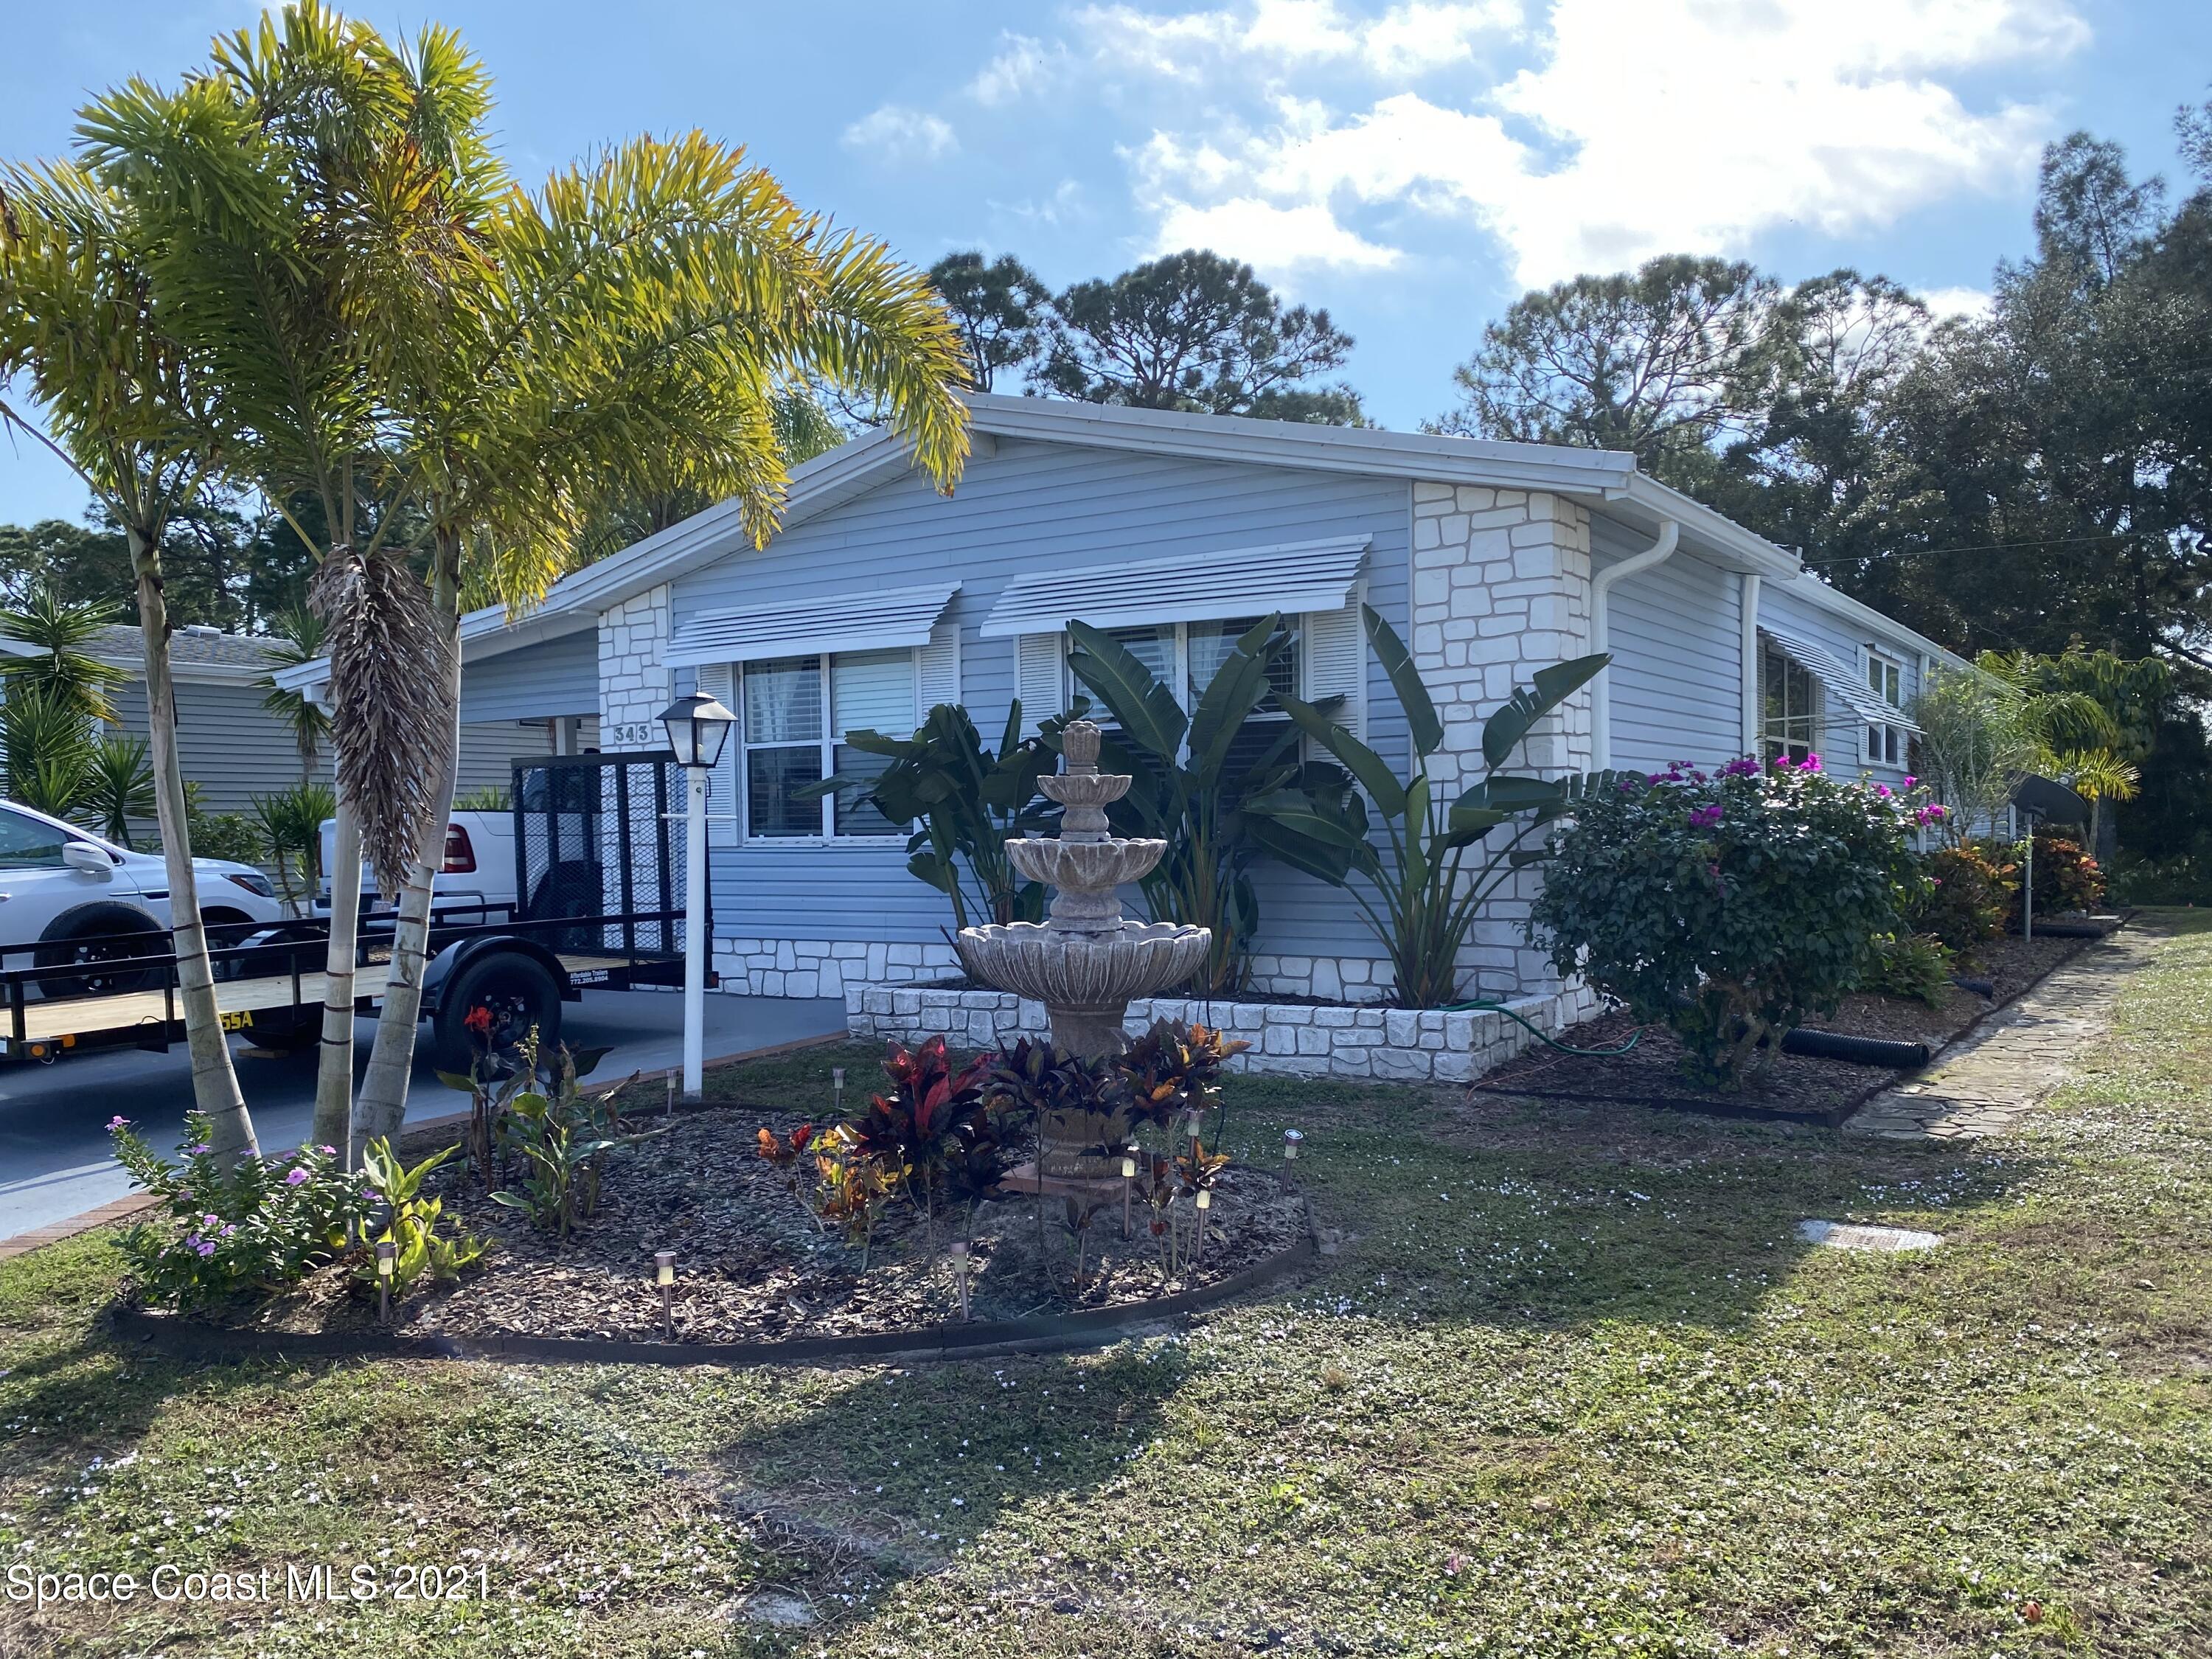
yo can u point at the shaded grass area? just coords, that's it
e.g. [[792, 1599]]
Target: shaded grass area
[[1569, 1385]]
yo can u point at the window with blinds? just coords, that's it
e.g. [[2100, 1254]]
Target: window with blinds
[[793, 713], [1327, 660]]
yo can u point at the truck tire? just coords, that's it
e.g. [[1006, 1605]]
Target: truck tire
[[518, 991], [78, 939]]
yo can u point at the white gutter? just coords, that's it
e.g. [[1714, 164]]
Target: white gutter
[[1670, 532], [1747, 662]]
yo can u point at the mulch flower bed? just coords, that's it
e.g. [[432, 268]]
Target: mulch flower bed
[[753, 1264], [1796, 1086]]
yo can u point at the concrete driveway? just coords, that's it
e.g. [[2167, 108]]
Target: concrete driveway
[[54, 1161]]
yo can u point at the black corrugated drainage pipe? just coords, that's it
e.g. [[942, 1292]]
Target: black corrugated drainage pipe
[[1857, 1051]]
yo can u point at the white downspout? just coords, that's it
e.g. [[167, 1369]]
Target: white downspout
[[1748, 663], [1600, 634]]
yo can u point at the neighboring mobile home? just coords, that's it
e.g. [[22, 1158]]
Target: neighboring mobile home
[[235, 748], [879, 598]]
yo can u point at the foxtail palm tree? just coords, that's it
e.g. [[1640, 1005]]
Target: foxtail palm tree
[[310, 203], [61, 632], [122, 409], [550, 406], [298, 640]]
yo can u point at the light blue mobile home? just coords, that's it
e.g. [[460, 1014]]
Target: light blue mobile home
[[880, 597]]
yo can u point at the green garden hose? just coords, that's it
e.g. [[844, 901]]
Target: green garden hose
[[1545, 1037]]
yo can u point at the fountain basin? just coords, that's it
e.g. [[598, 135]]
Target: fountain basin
[[1089, 866], [1085, 979]]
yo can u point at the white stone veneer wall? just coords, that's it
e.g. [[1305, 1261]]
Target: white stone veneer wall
[[1501, 588], [634, 683], [1290, 1039], [825, 968]]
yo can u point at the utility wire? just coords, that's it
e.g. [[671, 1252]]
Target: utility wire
[[1988, 547]]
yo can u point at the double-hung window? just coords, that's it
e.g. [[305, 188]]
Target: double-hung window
[[1790, 721], [795, 714], [1885, 743], [1186, 656]]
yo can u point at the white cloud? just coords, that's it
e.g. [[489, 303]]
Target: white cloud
[[895, 132], [1023, 67], [1969, 302], [1408, 40], [1261, 234], [1668, 125]]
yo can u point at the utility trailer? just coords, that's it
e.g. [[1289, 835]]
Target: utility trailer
[[589, 829]]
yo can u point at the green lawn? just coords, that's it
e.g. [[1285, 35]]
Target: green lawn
[[1569, 1385]]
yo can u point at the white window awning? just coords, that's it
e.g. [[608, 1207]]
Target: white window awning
[[878, 621], [1246, 582], [1836, 677]]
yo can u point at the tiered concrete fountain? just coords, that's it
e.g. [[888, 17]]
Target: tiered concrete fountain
[[1085, 961]]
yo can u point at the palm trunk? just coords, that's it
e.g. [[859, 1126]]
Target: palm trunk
[[334, 1076], [391, 1061], [215, 1082]]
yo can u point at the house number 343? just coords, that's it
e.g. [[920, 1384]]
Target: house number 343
[[634, 735]]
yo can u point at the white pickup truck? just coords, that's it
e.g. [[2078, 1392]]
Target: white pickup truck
[[478, 868], [68, 896]]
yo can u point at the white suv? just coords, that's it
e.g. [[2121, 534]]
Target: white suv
[[62, 888]]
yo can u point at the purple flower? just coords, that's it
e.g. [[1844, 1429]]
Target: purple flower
[[1810, 764], [1784, 763], [194, 1152], [1704, 817], [1882, 789], [328, 1151], [1911, 782], [1744, 767], [374, 1196], [228, 1231], [206, 1249], [295, 1176], [210, 1221], [118, 1122]]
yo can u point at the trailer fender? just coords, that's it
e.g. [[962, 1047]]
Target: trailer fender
[[446, 967]]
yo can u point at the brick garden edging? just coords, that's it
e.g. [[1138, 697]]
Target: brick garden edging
[[180, 1337], [1288, 1039]]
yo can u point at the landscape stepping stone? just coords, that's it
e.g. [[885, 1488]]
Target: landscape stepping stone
[[1851, 1236]]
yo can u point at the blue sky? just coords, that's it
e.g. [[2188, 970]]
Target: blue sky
[[1413, 165]]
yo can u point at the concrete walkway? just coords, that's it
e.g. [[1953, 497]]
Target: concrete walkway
[[2019, 1056]]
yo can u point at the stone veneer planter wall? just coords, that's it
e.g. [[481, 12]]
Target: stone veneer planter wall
[[1287, 1039], [830, 968]]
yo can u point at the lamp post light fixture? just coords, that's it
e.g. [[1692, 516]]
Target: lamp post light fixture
[[837, 1091], [664, 1275], [387, 1262], [1128, 1183], [959, 1248], [1205, 1201], [697, 727], [1292, 1140]]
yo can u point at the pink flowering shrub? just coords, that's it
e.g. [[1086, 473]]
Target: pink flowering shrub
[[1730, 905], [257, 1226]]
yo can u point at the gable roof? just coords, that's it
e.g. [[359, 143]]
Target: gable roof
[[194, 654], [1607, 481]]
